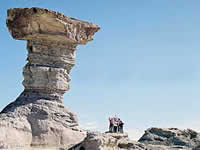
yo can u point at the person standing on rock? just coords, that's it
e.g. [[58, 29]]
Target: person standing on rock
[[121, 124], [115, 124], [111, 125]]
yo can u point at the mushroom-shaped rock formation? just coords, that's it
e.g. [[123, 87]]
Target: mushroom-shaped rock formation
[[38, 118]]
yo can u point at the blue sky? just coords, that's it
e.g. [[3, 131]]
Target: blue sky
[[143, 64]]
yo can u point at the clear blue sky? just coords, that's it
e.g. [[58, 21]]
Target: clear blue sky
[[143, 65]]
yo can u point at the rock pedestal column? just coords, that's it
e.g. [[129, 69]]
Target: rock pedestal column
[[48, 68], [38, 117]]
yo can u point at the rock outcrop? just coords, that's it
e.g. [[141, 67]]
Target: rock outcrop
[[104, 141], [38, 117], [171, 137]]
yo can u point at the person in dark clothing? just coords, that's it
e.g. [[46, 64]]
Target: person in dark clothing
[[111, 125], [116, 125], [121, 124]]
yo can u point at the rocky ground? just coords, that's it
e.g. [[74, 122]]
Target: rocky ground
[[38, 123], [171, 137], [153, 139]]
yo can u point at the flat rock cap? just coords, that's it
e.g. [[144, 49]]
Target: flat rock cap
[[44, 24]]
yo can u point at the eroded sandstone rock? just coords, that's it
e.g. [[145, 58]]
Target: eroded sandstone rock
[[171, 137], [38, 117], [102, 141]]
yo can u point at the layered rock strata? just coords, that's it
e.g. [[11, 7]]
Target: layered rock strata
[[38, 117]]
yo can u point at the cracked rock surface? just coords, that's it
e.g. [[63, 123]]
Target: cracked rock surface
[[38, 117], [171, 137], [105, 141], [117, 141]]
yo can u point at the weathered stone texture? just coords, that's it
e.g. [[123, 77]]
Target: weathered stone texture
[[171, 137], [49, 65], [37, 23], [102, 141], [38, 117]]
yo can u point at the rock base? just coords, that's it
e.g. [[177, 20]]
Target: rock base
[[32, 121], [107, 141], [171, 137], [115, 141]]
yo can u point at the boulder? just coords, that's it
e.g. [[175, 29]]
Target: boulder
[[171, 137], [116, 141], [105, 141]]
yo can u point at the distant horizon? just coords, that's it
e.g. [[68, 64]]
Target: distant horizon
[[143, 64]]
